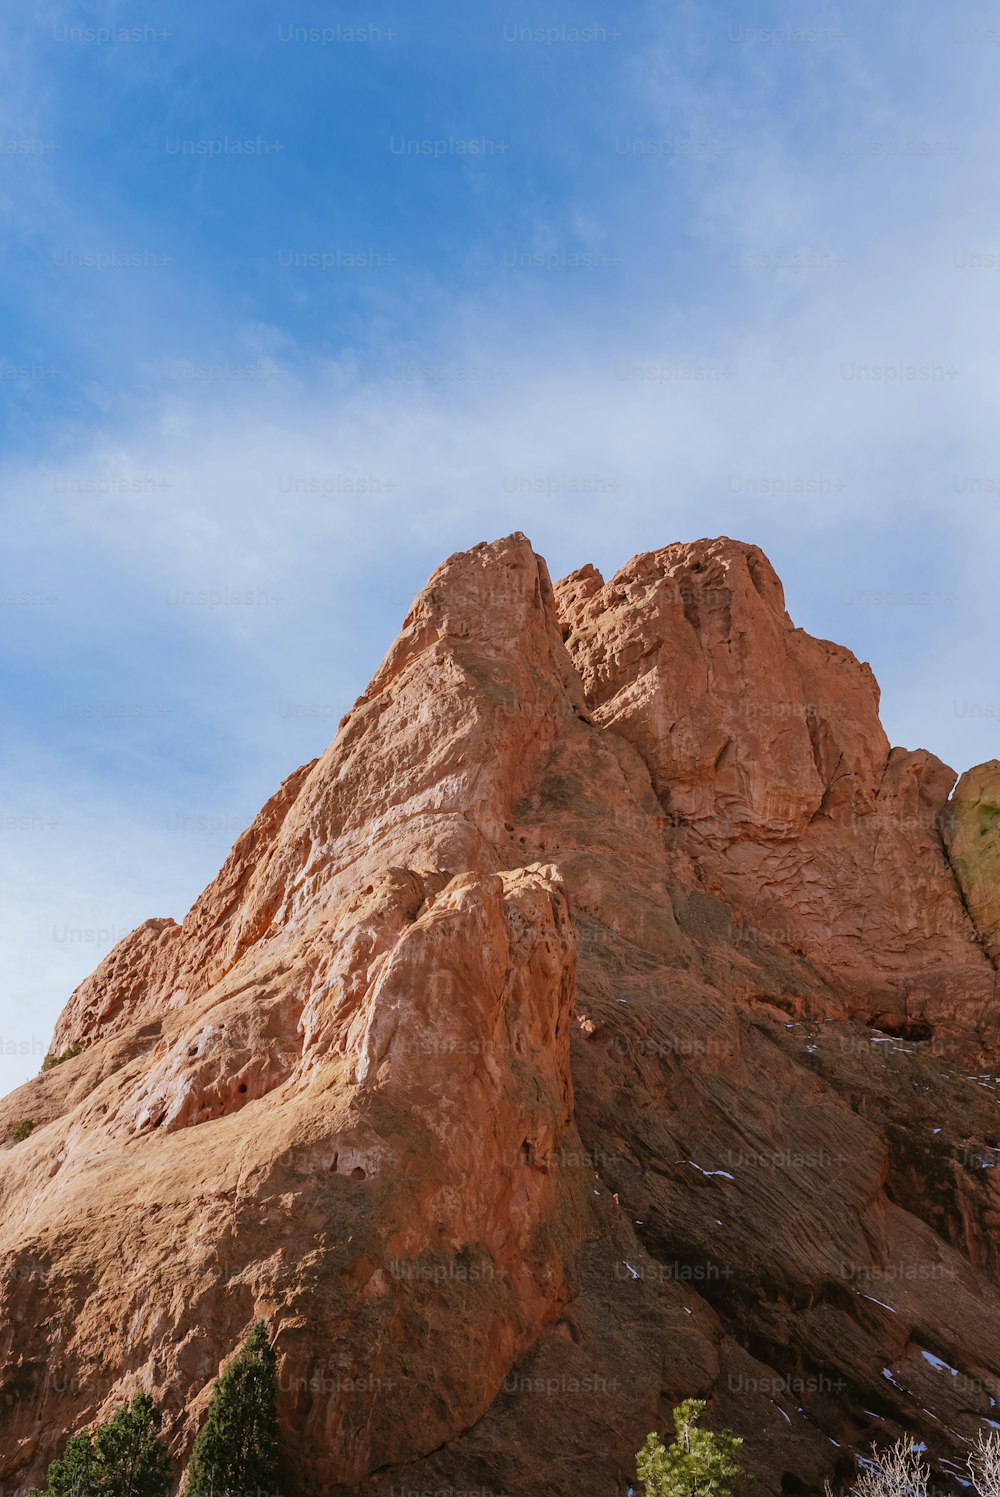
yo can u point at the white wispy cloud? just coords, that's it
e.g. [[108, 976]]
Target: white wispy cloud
[[233, 524]]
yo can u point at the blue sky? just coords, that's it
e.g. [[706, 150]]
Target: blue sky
[[705, 271]]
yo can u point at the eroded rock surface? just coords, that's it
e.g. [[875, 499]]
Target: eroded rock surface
[[599, 1022], [972, 829], [765, 750]]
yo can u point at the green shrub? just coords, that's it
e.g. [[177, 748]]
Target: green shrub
[[20, 1130], [237, 1447], [124, 1457], [697, 1464], [51, 1060]]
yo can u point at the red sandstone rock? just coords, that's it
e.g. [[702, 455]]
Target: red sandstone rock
[[766, 751], [512, 1069], [972, 830]]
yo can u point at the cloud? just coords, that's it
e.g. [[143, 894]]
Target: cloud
[[231, 502]]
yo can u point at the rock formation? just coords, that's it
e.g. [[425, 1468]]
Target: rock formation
[[601, 1021], [972, 829]]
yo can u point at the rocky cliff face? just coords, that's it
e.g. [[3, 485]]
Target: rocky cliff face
[[606, 1018], [972, 830]]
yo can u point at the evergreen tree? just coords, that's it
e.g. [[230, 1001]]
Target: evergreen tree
[[124, 1457], [75, 1474], [128, 1448], [698, 1463], [236, 1451]]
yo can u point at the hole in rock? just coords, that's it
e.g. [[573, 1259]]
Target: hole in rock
[[901, 1027], [792, 1484], [357, 1173], [566, 1330], [242, 1086]]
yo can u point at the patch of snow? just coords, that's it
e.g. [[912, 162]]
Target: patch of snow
[[889, 1378], [709, 1174], [937, 1363], [633, 1271], [879, 1302]]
